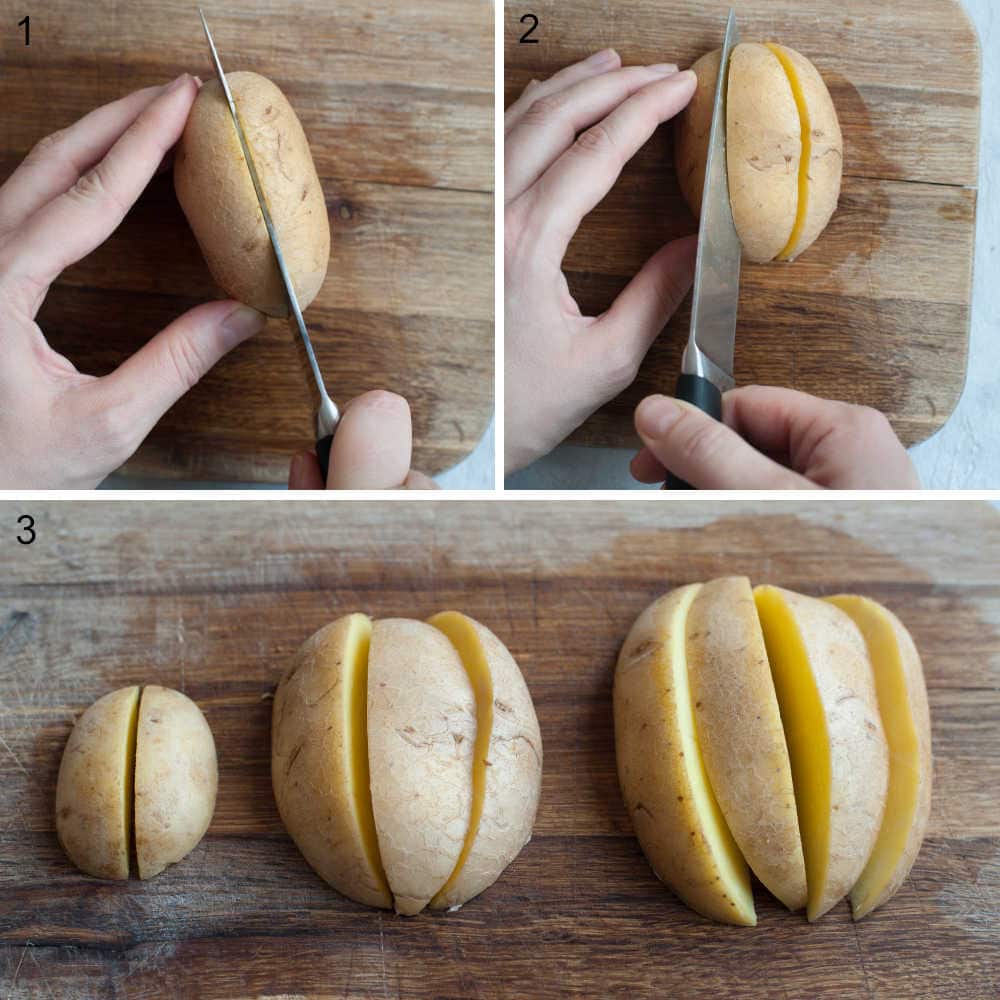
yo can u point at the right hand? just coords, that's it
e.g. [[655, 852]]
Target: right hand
[[371, 450], [771, 439]]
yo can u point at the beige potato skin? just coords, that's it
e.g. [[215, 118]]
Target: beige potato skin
[[215, 190], [513, 777], [176, 778], [741, 736], [691, 135], [859, 755], [421, 736], [916, 691], [92, 807], [651, 772], [310, 766]]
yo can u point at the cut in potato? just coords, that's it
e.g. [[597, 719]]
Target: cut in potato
[[826, 693], [741, 737], [319, 760], [902, 701], [663, 777]]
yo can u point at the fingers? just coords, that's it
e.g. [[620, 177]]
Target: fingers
[[584, 174], [643, 308], [80, 219], [57, 162], [599, 62], [704, 452], [549, 126], [146, 385], [304, 472], [372, 447], [647, 468], [418, 481]]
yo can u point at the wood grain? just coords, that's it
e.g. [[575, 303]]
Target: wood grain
[[213, 599], [396, 100], [877, 311]]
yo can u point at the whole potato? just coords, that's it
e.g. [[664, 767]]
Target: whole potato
[[139, 769], [406, 759], [216, 191], [784, 152]]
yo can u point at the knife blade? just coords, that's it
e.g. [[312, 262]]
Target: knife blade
[[327, 414], [707, 363]]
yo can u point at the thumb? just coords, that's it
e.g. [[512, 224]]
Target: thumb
[[371, 449], [705, 452], [161, 371]]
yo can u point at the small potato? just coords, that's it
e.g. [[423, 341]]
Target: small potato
[[784, 151], [139, 769], [214, 188]]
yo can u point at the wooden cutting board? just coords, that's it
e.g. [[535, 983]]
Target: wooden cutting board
[[397, 101], [213, 599], [877, 311]]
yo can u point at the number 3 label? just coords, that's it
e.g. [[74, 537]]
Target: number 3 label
[[27, 535]]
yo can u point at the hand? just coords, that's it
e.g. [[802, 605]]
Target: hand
[[771, 439], [60, 429], [560, 365], [371, 450]]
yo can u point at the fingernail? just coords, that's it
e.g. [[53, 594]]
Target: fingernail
[[656, 415], [662, 69], [603, 58], [243, 322], [177, 84], [198, 81], [688, 74]]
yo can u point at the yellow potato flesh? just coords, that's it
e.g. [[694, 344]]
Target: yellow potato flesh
[[805, 732], [356, 724], [806, 158], [462, 635], [905, 765]]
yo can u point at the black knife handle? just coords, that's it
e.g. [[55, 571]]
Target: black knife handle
[[323, 446], [705, 395]]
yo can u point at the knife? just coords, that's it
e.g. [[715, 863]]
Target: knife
[[707, 364], [327, 414]]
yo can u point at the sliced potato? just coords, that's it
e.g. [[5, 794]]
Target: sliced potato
[[741, 737], [319, 760], [421, 741], [94, 788], [826, 693], [662, 774], [176, 778], [507, 766], [902, 702]]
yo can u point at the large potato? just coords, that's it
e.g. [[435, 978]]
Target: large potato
[[741, 737], [902, 702], [176, 778], [216, 192], [139, 769], [784, 148], [406, 759], [663, 779], [840, 761]]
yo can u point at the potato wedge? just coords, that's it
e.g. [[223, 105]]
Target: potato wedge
[[741, 737], [902, 702], [507, 766], [94, 787], [840, 762], [421, 741], [662, 774], [176, 778], [319, 760]]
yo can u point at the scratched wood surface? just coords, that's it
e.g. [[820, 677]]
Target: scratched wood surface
[[213, 600], [397, 101], [877, 311]]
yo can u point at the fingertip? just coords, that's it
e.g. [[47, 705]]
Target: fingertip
[[372, 446], [655, 415], [304, 472]]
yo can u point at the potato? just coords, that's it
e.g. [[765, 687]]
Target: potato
[[784, 151], [176, 779], [902, 702], [94, 787], [139, 768], [741, 737], [840, 762], [215, 190], [660, 768], [406, 759]]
